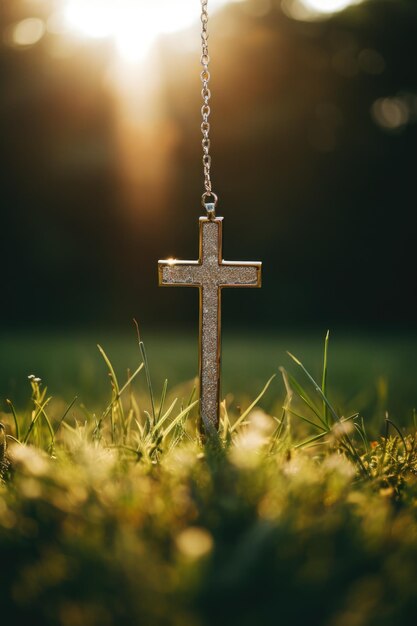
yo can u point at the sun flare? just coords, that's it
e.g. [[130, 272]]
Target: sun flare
[[328, 6], [134, 25]]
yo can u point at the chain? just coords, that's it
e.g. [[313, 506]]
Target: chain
[[209, 198]]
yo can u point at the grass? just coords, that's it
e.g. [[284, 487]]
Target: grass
[[120, 514], [371, 371]]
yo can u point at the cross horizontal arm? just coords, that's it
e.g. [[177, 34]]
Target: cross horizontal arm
[[194, 274], [240, 274], [173, 273]]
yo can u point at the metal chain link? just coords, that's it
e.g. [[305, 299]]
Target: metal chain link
[[209, 198]]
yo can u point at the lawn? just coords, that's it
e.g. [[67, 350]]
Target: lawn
[[369, 372], [124, 516]]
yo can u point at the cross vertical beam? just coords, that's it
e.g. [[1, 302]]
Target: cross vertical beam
[[210, 274]]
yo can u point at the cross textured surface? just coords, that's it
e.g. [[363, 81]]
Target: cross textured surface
[[210, 274]]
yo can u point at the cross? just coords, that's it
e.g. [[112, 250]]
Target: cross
[[210, 274]]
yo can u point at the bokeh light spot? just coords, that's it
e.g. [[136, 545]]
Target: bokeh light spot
[[390, 113], [194, 542], [27, 32]]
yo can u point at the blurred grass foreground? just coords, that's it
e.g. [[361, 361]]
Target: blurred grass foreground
[[123, 516]]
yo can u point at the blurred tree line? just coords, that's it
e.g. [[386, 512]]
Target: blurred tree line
[[314, 148]]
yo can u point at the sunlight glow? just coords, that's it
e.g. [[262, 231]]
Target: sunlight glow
[[328, 6], [307, 10], [134, 25]]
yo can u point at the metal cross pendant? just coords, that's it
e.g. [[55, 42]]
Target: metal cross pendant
[[210, 274]]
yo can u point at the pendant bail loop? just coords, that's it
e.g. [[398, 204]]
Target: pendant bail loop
[[209, 200]]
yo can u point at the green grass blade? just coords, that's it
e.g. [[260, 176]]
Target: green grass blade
[[164, 417], [110, 367], [324, 377], [13, 439], [305, 419], [361, 434], [316, 387], [350, 446], [399, 433], [148, 423], [225, 422], [384, 448], [148, 380], [67, 410], [277, 434], [178, 418], [131, 379], [120, 392], [365, 434], [251, 406], [180, 431], [16, 421], [311, 440], [350, 417], [116, 392], [140, 428], [303, 395], [35, 419], [163, 397], [48, 423]]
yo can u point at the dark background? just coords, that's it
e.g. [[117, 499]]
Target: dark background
[[314, 158]]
